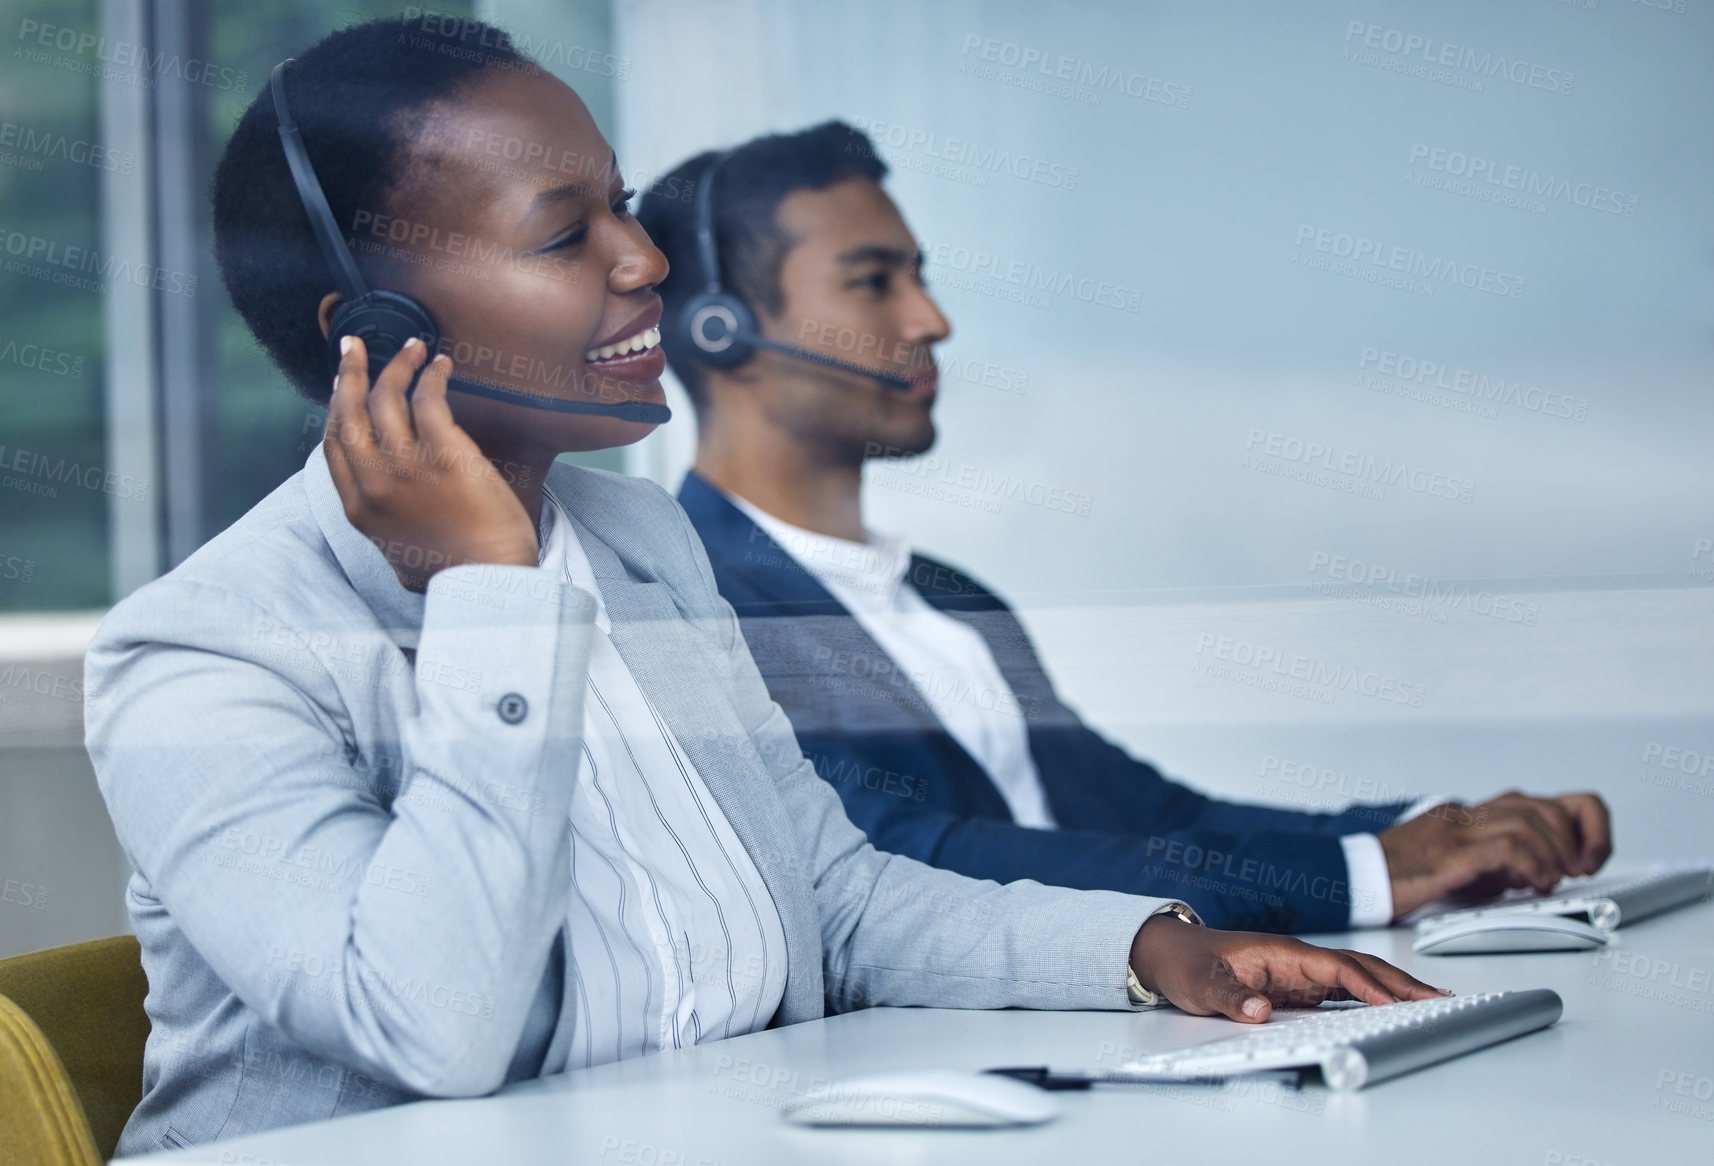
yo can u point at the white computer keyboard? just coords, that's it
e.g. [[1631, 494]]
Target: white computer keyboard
[[1604, 901], [1357, 1046]]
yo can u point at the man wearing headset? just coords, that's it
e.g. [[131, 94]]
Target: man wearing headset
[[798, 322]]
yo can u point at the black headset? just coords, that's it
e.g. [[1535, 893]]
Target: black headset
[[384, 319], [721, 326]]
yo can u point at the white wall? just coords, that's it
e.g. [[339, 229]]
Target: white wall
[[61, 870], [1588, 526], [1199, 209]]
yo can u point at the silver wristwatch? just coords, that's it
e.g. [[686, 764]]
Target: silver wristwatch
[[1140, 996]]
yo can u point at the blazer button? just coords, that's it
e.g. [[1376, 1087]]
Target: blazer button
[[513, 708]]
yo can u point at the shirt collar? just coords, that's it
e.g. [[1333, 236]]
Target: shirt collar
[[868, 572], [400, 611], [562, 552]]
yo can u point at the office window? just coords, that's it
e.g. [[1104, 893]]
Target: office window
[[112, 119], [53, 513]]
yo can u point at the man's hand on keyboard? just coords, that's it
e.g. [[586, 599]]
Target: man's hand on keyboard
[[1515, 840], [1244, 974]]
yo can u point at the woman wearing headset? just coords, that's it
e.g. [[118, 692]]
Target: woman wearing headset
[[446, 766]]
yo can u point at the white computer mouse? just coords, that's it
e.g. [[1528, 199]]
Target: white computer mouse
[[1487, 934], [925, 1100]]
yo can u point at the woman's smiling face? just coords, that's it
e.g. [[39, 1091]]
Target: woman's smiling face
[[511, 226]]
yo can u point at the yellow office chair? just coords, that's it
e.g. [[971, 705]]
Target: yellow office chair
[[72, 1029]]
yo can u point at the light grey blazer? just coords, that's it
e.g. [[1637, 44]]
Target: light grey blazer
[[346, 805]]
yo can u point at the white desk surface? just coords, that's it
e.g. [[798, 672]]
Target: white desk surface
[[1625, 1079]]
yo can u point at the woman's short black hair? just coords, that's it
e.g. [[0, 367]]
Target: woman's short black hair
[[357, 96], [755, 179]]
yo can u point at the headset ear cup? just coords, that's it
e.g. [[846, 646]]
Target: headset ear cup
[[383, 320], [715, 325]]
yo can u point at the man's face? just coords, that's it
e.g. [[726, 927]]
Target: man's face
[[852, 288]]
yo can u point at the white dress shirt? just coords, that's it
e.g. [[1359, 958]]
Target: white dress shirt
[[946, 660], [951, 666], [673, 937]]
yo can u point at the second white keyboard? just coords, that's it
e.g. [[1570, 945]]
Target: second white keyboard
[[1606, 902]]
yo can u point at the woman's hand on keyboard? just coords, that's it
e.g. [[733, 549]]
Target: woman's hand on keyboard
[[1244, 974]]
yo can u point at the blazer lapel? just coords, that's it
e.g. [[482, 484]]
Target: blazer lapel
[[777, 587], [774, 583], [1045, 719], [399, 611]]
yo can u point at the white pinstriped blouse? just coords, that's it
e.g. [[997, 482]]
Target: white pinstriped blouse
[[673, 938]]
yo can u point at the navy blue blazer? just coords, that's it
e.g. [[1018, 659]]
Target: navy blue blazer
[[909, 784]]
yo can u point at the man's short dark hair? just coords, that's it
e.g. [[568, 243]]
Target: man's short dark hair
[[358, 96], [755, 179]]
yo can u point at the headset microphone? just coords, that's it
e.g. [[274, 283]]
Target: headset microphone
[[384, 319], [721, 326]]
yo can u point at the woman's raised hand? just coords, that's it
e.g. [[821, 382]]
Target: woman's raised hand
[[411, 480]]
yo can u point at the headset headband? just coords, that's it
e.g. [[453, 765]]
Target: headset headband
[[706, 248], [346, 277], [720, 325]]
